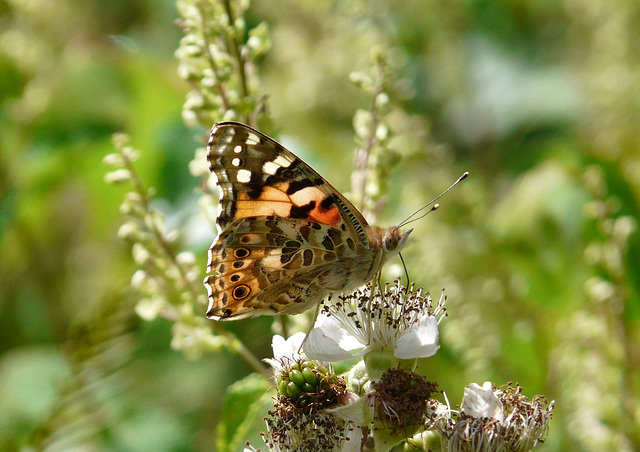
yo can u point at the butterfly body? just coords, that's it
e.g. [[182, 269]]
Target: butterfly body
[[286, 237]]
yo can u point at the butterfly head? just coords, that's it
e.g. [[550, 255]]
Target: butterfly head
[[394, 240]]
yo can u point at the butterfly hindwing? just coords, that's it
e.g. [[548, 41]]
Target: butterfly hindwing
[[267, 265]]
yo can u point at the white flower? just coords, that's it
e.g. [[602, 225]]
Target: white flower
[[397, 320], [285, 351], [482, 401]]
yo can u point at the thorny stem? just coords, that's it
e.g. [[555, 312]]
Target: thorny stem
[[236, 344]]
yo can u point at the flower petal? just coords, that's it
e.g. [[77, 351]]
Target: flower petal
[[285, 350], [332, 329], [420, 341], [360, 412], [481, 401], [321, 347]]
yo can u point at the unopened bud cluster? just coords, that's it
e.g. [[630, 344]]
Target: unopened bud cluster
[[216, 56], [307, 382]]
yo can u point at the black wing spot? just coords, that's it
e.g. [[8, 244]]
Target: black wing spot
[[256, 186], [305, 231], [307, 257], [334, 235], [287, 255], [302, 211], [328, 202], [290, 172], [238, 264], [241, 253], [351, 244], [298, 185], [241, 291], [235, 278], [327, 243]]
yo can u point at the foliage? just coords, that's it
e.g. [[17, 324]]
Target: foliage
[[538, 250]]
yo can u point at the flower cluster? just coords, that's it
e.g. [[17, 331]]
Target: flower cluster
[[374, 158], [383, 404]]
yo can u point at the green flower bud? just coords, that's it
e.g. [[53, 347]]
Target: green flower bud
[[296, 377], [309, 376]]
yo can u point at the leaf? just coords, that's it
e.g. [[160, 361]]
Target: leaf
[[245, 406]]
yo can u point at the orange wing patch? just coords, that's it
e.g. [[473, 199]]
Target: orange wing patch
[[309, 203]]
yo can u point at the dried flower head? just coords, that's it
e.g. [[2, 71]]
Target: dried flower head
[[499, 419], [402, 400]]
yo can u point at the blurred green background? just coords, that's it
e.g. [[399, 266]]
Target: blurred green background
[[538, 250]]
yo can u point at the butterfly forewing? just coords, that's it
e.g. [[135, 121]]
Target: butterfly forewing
[[259, 177]]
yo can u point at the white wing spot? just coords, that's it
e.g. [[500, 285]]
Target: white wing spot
[[252, 139], [244, 176], [237, 149], [236, 162], [282, 161], [270, 168]]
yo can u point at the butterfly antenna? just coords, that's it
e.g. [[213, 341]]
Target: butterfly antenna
[[435, 206]]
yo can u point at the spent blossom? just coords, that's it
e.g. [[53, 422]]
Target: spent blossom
[[499, 419]]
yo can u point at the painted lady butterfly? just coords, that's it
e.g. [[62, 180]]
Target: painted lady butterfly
[[286, 237]]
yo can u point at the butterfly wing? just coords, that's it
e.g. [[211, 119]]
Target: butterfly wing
[[264, 186], [259, 177], [271, 265]]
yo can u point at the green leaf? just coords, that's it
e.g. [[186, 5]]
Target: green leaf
[[245, 405]]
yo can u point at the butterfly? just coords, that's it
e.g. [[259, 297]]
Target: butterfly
[[286, 237]]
